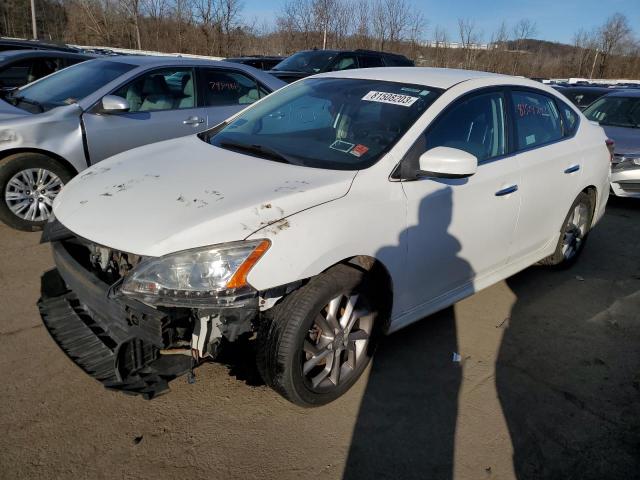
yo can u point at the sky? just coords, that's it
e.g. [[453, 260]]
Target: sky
[[556, 20]]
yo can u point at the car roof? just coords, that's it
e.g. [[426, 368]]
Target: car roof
[[627, 92], [36, 44], [429, 76], [11, 55], [159, 60]]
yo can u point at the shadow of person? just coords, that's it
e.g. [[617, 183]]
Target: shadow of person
[[568, 369], [406, 421]]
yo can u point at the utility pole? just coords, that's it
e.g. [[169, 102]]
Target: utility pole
[[592, 66], [34, 26]]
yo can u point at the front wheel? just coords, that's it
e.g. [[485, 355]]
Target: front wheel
[[315, 344], [29, 183], [574, 232]]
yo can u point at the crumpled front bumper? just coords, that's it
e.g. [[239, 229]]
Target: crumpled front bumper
[[115, 340]]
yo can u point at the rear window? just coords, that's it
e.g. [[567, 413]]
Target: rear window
[[615, 111]]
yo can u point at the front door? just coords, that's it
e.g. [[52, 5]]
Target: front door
[[459, 230], [162, 105]]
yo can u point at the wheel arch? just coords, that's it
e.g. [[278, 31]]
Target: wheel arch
[[13, 151], [592, 191]]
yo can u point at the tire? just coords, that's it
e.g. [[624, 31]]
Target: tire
[[48, 172], [281, 347], [574, 233]]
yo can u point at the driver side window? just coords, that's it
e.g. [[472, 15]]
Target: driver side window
[[475, 125], [166, 89]]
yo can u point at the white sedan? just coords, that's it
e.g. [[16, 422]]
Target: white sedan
[[344, 206]]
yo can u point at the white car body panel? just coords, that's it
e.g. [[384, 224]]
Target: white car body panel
[[230, 196], [486, 238]]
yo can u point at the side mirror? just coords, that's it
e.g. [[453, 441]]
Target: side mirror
[[114, 104], [446, 162]]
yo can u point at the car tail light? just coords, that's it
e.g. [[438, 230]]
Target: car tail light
[[611, 146]]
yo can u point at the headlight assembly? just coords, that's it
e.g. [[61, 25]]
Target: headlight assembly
[[202, 277]]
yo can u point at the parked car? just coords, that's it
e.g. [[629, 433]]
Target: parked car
[[61, 124], [261, 62], [17, 44], [342, 207], [310, 62], [583, 96], [19, 67], [619, 114]]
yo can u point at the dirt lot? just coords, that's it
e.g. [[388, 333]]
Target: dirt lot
[[548, 387]]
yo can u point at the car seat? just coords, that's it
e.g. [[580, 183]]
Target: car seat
[[187, 98], [157, 95]]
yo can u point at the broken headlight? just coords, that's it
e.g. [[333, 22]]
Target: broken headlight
[[202, 277]]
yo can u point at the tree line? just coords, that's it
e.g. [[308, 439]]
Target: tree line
[[221, 28]]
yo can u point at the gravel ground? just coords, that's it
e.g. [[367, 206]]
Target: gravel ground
[[548, 387]]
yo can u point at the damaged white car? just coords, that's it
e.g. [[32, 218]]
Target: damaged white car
[[340, 208]]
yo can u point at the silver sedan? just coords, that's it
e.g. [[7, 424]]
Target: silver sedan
[[57, 126]]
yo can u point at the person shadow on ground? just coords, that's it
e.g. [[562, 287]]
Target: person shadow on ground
[[568, 369], [407, 419]]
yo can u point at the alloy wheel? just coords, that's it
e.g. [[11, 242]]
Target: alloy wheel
[[575, 231], [336, 343], [30, 193]]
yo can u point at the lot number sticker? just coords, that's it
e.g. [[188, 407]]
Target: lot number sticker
[[392, 98]]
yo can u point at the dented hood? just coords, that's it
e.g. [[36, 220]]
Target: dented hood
[[185, 193]]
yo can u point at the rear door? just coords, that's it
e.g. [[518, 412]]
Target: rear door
[[163, 105], [225, 92], [551, 163]]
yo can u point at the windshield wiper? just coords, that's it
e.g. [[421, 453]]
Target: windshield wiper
[[260, 150], [20, 98]]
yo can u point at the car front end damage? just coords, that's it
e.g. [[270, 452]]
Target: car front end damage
[[131, 343]]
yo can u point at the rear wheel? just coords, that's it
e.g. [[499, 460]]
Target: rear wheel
[[29, 183], [574, 232], [315, 344]]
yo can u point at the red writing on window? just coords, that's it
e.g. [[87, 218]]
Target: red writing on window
[[526, 109]]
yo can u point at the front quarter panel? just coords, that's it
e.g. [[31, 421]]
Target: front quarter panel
[[369, 220], [57, 131]]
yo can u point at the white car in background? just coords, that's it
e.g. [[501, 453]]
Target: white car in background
[[341, 207]]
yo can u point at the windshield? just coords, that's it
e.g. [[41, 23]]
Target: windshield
[[342, 124], [68, 85], [615, 111], [309, 62]]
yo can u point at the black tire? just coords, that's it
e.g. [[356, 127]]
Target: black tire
[[559, 258], [16, 163], [284, 328]]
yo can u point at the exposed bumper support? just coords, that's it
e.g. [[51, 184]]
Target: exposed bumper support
[[116, 341]]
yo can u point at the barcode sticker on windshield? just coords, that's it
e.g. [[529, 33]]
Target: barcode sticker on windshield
[[392, 98]]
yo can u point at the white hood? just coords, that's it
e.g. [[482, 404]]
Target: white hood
[[185, 193]]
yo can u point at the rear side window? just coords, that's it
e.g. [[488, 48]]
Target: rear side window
[[225, 88], [475, 125], [569, 117], [370, 61], [537, 119]]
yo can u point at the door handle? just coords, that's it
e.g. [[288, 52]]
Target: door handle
[[193, 121], [573, 168], [507, 190]]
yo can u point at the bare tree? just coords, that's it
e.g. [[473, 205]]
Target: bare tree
[[613, 34], [524, 29], [132, 10], [397, 15], [469, 39]]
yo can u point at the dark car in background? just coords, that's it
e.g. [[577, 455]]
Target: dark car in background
[[583, 96], [261, 62], [310, 62], [17, 44], [619, 114], [19, 67]]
